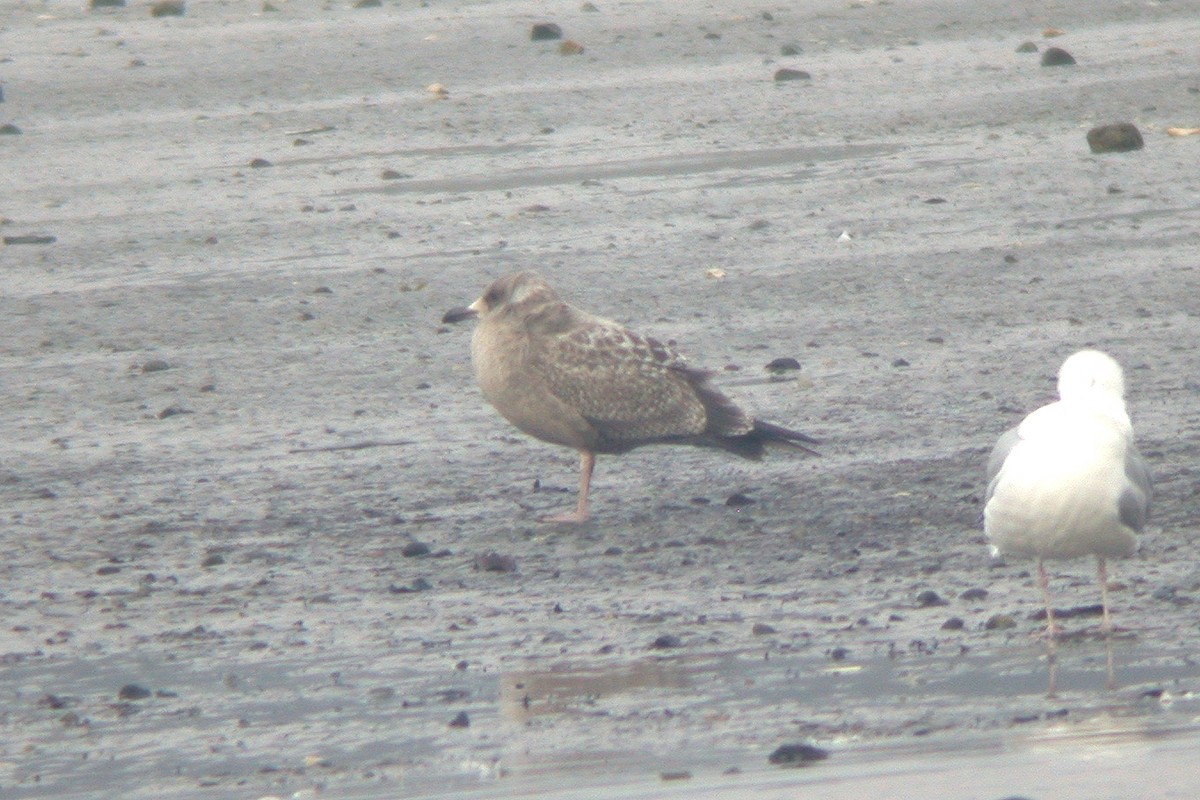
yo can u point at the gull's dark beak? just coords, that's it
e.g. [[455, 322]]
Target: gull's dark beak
[[459, 314]]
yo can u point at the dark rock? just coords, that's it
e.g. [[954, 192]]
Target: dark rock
[[368, 4], [797, 755], [1057, 57], [414, 549], [934, 201], [570, 47], [8, 129], [30, 239], [588, 7], [155, 365], [1091, 610], [1120, 137], [1027, 47], [545, 31], [973, 594], [666, 642], [131, 691], [172, 411], [953, 624], [783, 364], [167, 8], [393, 175], [789, 74], [681, 775], [839, 653], [495, 562], [214, 560], [790, 50], [762, 629], [106, 4], [461, 720], [900, 362], [738, 500], [929, 599], [260, 163], [108, 569]]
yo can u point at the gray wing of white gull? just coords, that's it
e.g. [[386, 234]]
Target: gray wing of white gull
[[1135, 500], [1004, 445]]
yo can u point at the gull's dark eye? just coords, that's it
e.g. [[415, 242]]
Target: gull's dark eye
[[493, 297]]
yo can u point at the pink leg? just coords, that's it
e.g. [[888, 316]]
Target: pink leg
[[1102, 574], [1052, 629], [587, 462]]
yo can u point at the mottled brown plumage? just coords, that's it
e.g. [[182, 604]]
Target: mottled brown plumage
[[575, 379]]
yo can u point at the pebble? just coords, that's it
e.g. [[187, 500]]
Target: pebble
[[999, 622], [260, 163], [106, 4], [973, 594], [737, 500], [414, 549], [570, 47], [545, 31], [172, 411], [762, 629], [1057, 57], [215, 560], [461, 720], [167, 8], [666, 642], [797, 755], [1121, 137], [8, 129], [368, 4], [789, 74], [131, 691], [495, 562], [929, 599], [155, 365], [790, 50], [953, 624], [30, 239], [1027, 47], [783, 364], [680, 775]]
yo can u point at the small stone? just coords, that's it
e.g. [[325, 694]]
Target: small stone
[[738, 500], [999, 622], [666, 642], [790, 50], [589, 7], [106, 4], [167, 8], [368, 4], [30, 239], [414, 549], [1050, 33], [260, 163], [8, 129], [839, 653], [789, 74], [495, 562], [900, 362], [680, 775], [762, 629], [1027, 47], [267, 8], [545, 31], [393, 175], [973, 595], [1121, 137], [131, 691], [214, 560], [570, 47], [782, 364], [461, 720], [172, 411], [929, 599], [155, 365], [953, 624], [797, 755], [1057, 57]]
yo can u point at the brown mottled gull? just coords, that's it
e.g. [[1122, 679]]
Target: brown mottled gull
[[571, 378], [1069, 481]]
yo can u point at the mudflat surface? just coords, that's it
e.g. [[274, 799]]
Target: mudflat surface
[[229, 405]]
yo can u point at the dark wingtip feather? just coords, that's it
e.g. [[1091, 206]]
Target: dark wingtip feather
[[770, 432]]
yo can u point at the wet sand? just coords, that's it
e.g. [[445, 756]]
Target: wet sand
[[228, 532]]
